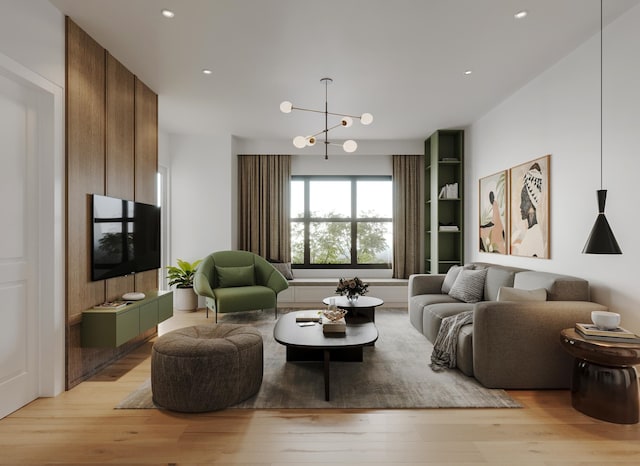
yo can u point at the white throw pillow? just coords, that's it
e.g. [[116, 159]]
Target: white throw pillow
[[516, 294], [469, 286]]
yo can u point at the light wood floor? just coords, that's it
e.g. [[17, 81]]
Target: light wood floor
[[81, 427]]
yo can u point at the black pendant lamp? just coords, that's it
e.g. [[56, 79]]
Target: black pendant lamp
[[601, 239]]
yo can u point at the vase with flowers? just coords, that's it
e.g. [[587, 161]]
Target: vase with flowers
[[351, 288]]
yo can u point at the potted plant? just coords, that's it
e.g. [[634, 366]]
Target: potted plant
[[182, 276]]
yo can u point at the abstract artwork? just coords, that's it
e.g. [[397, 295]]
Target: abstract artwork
[[529, 208], [494, 213]]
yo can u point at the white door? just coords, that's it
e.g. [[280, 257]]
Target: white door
[[18, 246]]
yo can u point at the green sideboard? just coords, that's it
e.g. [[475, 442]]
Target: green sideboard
[[108, 328]]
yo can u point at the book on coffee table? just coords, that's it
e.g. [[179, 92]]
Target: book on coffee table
[[308, 316], [590, 330], [334, 326]]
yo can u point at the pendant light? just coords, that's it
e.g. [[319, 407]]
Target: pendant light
[[601, 239]]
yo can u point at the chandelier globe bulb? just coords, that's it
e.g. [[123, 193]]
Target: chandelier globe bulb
[[366, 118], [350, 146], [286, 106], [299, 142]]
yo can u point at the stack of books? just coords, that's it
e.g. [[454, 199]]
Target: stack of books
[[334, 327], [111, 305], [449, 228], [308, 316], [617, 335]]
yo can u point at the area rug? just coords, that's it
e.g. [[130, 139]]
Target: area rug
[[395, 373]]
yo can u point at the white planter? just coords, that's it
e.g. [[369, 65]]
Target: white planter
[[185, 299]]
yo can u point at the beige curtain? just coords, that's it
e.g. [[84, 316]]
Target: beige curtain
[[408, 210], [263, 203]]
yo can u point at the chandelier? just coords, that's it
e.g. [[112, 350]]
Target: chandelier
[[346, 121]]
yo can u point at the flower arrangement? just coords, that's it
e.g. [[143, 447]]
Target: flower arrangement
[[351, 287]]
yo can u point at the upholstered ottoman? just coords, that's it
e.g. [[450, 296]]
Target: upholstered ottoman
[[206, 367]]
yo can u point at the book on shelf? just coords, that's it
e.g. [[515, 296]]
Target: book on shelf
[[591, 330], [111, 305], [449, 228], [308, 316], [449, 191]]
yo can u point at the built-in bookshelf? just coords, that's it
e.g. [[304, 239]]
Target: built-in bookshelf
[[444, 200]]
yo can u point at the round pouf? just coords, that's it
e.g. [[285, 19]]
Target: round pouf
[[206, 367]]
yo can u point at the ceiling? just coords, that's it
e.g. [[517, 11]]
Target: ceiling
[[401, 60]]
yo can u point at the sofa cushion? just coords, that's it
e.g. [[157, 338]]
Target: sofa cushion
[[497, 277], [451, 276], [434, 313], [283, 267], [469, 286], [229, 277], [515, 294], [559, 287]]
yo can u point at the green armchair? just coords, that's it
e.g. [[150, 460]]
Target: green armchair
[[235, 281]]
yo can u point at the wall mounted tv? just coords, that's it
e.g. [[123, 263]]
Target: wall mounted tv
[[125, 236]]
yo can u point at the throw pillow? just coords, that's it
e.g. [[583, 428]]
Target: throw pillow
[[469, 286], [452, 274], [515, 294], [235, 276], [284, 268]]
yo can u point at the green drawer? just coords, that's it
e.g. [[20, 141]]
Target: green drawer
[[148, 316], [165, 307]]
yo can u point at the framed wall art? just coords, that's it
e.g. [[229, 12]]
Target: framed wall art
[[494, 213], [529, 208]]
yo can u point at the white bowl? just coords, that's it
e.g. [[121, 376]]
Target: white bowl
[[605, 320]]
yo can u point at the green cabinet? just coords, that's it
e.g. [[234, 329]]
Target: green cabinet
[[112, 328], [444, 200]]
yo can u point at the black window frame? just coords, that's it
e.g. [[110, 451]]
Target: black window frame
[[354, 221]]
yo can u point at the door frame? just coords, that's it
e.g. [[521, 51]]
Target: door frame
[[50, 314]]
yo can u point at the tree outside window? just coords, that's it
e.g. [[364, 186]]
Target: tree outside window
[[341, 222]]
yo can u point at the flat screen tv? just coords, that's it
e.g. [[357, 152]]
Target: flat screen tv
[[125, 237]]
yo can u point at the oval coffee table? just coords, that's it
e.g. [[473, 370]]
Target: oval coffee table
[[605, 383], [309, 343]]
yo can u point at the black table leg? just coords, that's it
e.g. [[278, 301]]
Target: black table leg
[[327, 359]]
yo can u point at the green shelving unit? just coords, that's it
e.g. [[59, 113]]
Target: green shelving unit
[[444, 212], [111, 328]]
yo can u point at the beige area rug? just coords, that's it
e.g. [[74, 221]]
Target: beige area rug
[[395, 373]]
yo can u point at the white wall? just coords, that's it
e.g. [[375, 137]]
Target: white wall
[[201, 193], [558, 113]]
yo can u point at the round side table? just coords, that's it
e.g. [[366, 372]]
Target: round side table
[[604, 383], [365, 305]]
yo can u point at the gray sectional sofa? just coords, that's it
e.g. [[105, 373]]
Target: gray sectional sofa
[[510, 344]]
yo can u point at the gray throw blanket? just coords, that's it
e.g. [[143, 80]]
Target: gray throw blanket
[[444, 348]]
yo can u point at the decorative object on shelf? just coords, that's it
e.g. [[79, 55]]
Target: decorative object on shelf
[[352, 288], [493, 213], [529, 208], [601, 240], [182, 276], [346, 121]]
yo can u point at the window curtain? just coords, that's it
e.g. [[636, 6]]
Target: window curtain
[[263, 204], [408, 182]]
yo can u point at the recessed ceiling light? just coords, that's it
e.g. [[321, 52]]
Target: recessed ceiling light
[[168, 13], [207, 71], [521, 14], [468, 72]]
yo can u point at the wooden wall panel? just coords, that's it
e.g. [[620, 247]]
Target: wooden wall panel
[[146, 123], [103, 118], [85, 162], [120, 140], [146, 143]]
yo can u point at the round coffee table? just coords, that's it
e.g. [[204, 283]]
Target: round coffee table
[[605, 383], [364, 305], [309, 343]]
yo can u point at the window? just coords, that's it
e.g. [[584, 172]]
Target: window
[[341, 222]]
